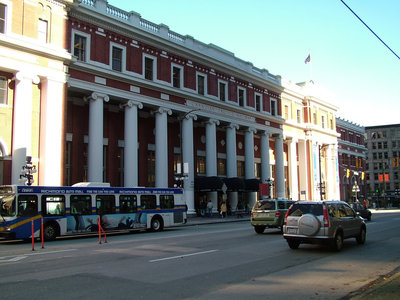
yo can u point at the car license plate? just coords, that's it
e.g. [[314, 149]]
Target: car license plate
[[292, 230]]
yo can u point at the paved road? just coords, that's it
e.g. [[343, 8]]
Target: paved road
[[214, 261]]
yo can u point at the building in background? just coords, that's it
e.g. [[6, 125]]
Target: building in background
[[33, 60], [352, 154], [383, 171], [146, 106]]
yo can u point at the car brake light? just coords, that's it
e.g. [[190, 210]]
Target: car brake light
[[287, 213], [277, 214], [326, 218], [251, 214]]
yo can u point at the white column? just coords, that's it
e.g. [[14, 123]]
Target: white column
[[231, 161], [95, 146], [303, 170], [22, 122], [293, 178], [51, 131], [188, 158], [162, 146], [280, 174], [211, 156], [131, 143], [249, 152], [265, 167]]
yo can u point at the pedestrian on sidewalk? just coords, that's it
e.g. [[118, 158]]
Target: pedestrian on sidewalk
[[209, 208], [202, 208], [223, 209]]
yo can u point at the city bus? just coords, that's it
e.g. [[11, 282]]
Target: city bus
[[76, 209]]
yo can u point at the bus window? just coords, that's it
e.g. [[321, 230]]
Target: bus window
[[7, 202], [127, 204], [27, 205], [166, 201], [53, 205], [105, 204], [148, 202], [81, 205]]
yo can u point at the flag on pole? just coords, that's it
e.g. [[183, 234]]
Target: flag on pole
[[308, 59]]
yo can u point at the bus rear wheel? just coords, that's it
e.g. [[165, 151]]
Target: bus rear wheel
[[50, 232], [156, 224]]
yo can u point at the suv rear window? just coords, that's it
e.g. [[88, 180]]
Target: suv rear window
[[284, 204], [300, 209], [265, 205]]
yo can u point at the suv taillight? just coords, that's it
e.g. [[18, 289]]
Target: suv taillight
[[251, 214], [277, 214], [287, 213], [326, 218]]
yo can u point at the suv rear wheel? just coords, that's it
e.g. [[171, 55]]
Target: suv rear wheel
[[361, 237], [337, 244], [293, 244], [259, 229]]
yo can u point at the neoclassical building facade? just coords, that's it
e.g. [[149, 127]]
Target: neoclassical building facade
[[145, 106]]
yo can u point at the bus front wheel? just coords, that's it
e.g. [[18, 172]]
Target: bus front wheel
[[50, 232], [156, 224]]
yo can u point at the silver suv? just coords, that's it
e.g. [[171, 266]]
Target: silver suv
[[328, 222]]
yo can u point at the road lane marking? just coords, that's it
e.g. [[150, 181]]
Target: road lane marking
[[184, 255], [15, 258]]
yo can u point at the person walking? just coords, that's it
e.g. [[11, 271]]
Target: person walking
[[223, 209], [209, 208]]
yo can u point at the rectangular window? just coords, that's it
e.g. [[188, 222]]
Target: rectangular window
[[176, 77], [323, 121], [167, 201], [27, 205], [148, 202], [3, 90], [286, 112], [240, 168], [258, 100], [241, 96], [53, 205], [273, 108], [2, 18], [42, 30], [117, 59], [105, 204], [298, 116], [201, 84], [151, 169], [315, 118], [81, 205], [221, 166], [80, 47], [127, 204], [222, 91], [148, 68], [201, 165]]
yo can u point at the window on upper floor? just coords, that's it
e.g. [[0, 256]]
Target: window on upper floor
[[258, 102], [42, 30], [80, 47], [3, 90], [177, 73], [149, 66], [298, 114], [286, 112], [273, 108], [222, 90], [116, 60], [3, 9], [315, 118], [241, 96], [323, 121], [201, 84]]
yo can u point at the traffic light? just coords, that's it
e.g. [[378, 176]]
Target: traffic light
[[348, 173], [362, 175], [395, 162]]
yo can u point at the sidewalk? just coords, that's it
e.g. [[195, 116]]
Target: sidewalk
[[385, 287]]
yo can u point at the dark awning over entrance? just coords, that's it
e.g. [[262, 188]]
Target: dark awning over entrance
[[252, 185], [234, 184], [208, 184]]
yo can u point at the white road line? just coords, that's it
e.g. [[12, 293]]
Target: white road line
[[184, 255], [50, 252], [20, 257]]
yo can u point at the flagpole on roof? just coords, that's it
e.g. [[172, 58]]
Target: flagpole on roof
[[308, 61]]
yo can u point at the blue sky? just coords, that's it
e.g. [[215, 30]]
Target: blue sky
[[347, 59]]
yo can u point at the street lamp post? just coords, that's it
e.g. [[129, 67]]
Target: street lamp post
[[321, 184]]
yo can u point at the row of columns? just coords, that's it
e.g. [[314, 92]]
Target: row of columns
[[95, 149]]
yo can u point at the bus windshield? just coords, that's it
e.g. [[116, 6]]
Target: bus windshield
[[7, 203]]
